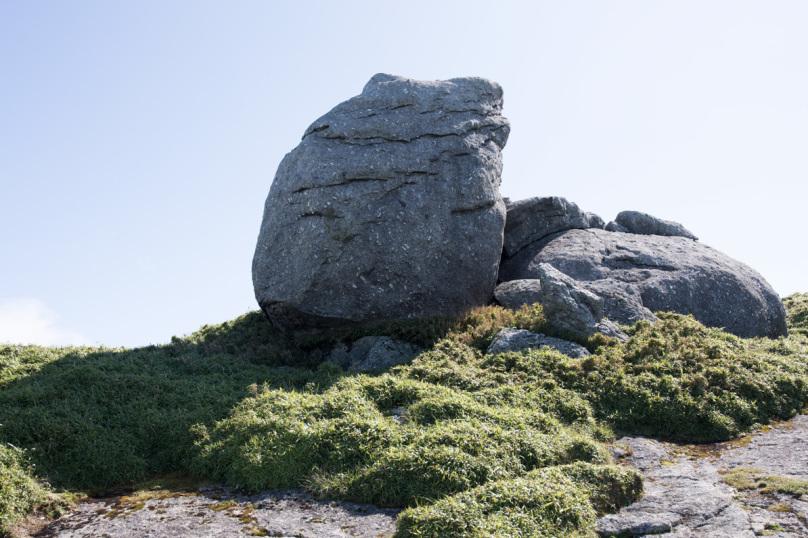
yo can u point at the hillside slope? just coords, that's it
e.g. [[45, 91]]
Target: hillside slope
[[473, 444]]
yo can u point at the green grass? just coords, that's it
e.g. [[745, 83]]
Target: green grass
[[21, 492], [745, 478], [797, 313], [675, 379], [553, 501], [509, 445]]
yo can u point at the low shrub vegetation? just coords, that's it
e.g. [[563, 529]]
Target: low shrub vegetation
[[553, 501], [797, 313], [20, 491], [470, 444]]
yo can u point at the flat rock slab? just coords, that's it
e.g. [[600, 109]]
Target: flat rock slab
[[685, 496], [218, 511], [780, 450]]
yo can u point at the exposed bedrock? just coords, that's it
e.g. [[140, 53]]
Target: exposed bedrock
[[388, 209]]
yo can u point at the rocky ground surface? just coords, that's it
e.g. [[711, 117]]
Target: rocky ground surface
[[220, 511], [685, 497]]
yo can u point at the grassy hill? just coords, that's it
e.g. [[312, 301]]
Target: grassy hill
[[511, 445]]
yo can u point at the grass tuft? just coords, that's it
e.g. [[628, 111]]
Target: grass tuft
[[553, 501], [745, 478], [20, 491]]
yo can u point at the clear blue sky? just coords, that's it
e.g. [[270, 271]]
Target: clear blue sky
[[138, 139]]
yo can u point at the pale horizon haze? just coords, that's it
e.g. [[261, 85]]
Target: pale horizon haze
[[138, 140]]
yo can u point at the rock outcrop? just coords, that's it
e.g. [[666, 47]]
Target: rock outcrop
[[535, 218], [650, 273], [680, 498], [686, 496], [388, 209], [571, 307], [644, 224]]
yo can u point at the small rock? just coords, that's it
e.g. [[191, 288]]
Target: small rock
[[372, 352], [512, 339], [622, 301], [610, 329], [516, 293]]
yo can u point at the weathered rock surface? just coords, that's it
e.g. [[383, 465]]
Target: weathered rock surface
[[780, 450], [622, 301], [388, 209], [220, 511], [512, 339], [372, 352], [686, 498], [534, 218], [642, 223], [664, 273], [517, 293], [678, 496], [568, 305]]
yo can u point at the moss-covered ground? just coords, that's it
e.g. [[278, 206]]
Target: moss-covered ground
[[471, 445]]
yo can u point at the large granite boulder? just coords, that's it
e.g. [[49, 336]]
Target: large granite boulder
[[660, 272], [388, 209]]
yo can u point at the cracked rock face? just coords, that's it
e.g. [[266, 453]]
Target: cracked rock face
[[388, 209], [535, 218], [639, 274]]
